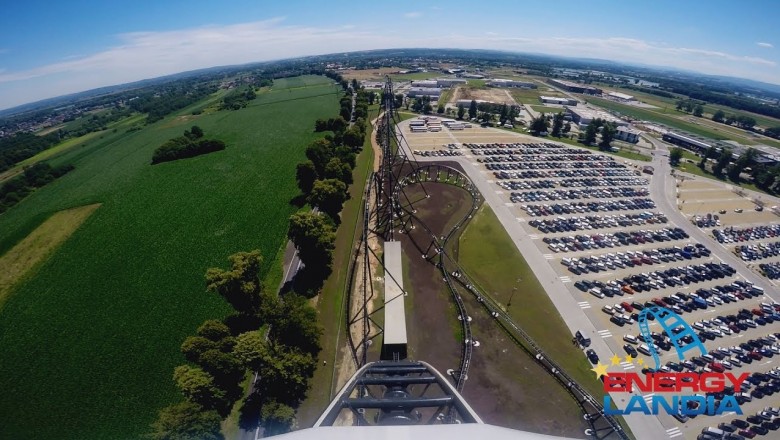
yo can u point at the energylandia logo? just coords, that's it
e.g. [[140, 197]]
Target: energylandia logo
[[673, 393]]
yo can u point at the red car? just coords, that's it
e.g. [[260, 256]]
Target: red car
[[717, 367], [747, 434]]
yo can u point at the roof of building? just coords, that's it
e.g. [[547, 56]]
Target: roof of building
[[621, 96], [395, 315], [628, 130]]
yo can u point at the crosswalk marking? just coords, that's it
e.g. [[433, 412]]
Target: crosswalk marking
[[508, 204], [584, 305], [533, 236], [673, 432], [565, 279], [548, 256], [498, 191], [627, 365], [605, 333], [520, 219], [490, 181], [648, 398]]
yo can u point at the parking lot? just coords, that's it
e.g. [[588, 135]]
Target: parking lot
[[590, 216]]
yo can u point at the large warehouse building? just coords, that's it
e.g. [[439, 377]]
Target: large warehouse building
[[575, 87], [686, 142], [557, 100], [584, 116], [510, 83], [449, 82], [418, 92], [621, 97]]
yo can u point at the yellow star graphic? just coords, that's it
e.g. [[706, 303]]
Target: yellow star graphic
[[629, 359], [600, 370], [640, 361], [615, 360]]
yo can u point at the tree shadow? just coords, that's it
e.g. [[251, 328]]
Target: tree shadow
[[298, 201], [249, 414]]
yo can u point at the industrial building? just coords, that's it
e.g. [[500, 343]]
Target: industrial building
[[621, 97], [418, 92], [466, 103], [510, 83], [557, 100], [584, 116], [445, 83], [626, 134], [686, 142], [575, 87]]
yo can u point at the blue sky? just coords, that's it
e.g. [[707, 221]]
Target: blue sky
[[53, 48]]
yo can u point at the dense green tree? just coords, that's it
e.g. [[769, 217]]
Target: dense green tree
[[473, 109], [689, 106], [213, 330], [353, 138], [773, 132], [680, 105], [539, 124], [313, 237], [440, 109], [335, 169], [198, 387], [277, 418], [305, 174], [186, 421], [319, 153], [462, 111], [294, 322], [566, 127], [698, 110], [711, 153], [675, 155], [723, 160], [240, 286], [608, 131], [719, 116], [557, 124], [746, 122], [284, 371], [731, 119], [591, 132], [194, 346], [329, 195]]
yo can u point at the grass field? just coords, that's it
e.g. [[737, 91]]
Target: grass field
[[488, 256], [20, 261], [545, 109], [701, 127], [89, 343]]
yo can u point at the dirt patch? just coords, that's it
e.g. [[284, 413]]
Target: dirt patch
[[39, 245], [495, 95]]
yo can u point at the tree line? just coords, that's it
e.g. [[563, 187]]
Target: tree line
[[238, 98], [276, 337], [273, 335], [191, 144], [35, 176]]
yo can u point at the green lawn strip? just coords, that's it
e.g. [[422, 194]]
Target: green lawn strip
[[330, 304], [108, 311], [487, 255]]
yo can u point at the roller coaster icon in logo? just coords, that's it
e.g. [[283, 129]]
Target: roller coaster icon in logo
[[669, 322]]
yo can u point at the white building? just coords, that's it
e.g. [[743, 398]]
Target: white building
[[510, 83], [627, 134], [416, 92], [622, 97], [426, 84], [584, 116], [557, 100], [449, 82]]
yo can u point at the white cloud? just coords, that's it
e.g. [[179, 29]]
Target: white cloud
[[413, 14], [766, 45], [143, 55]]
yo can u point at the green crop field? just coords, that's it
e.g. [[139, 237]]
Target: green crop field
[[90, 341]]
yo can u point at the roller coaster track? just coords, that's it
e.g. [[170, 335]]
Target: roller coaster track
[[393, 209]]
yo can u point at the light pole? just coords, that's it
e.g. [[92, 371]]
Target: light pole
[[512, 295]]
